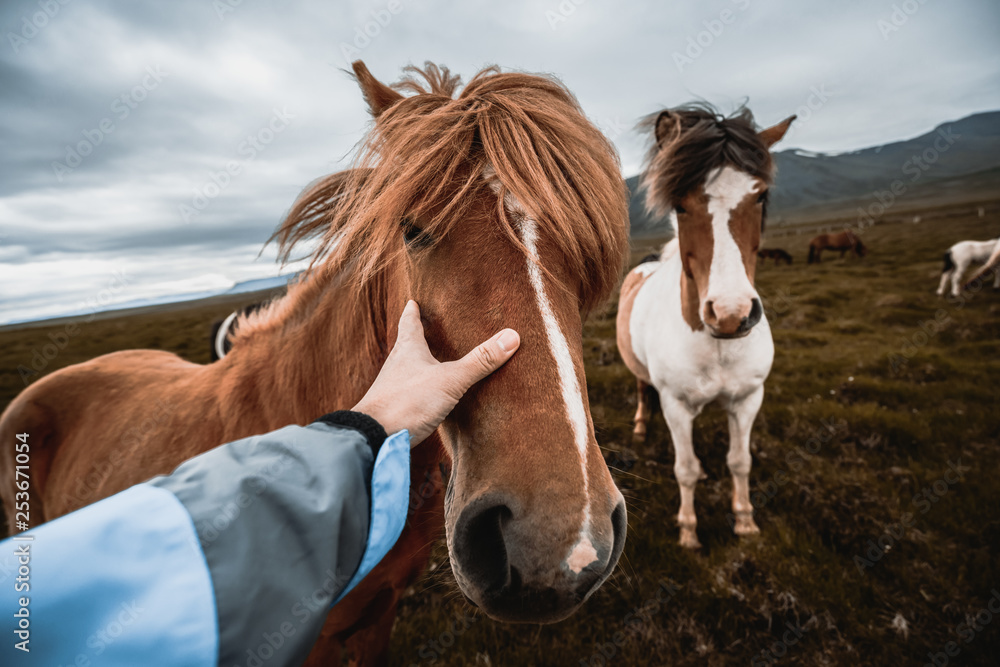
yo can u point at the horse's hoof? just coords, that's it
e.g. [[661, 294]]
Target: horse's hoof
[[689, 539], [745, 525]]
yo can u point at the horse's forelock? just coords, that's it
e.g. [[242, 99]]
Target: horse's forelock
[[424, 160], [696, 140]]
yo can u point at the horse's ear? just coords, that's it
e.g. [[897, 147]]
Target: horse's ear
[[665, 124], [378, 95], [773, 134]]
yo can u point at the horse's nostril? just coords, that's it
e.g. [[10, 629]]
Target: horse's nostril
[[515, 580], [591, 579], [710, 310], [756, 311], [481, 542], [619, 526]]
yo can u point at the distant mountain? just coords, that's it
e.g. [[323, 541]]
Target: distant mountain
[[642, 223], [256, 285], [807, 180], [261, 284]]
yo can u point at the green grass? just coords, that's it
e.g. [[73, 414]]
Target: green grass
[[883, 405]]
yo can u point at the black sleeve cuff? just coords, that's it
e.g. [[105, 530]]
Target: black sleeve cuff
[[359, 421]]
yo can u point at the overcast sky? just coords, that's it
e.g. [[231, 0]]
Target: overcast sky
[[115, 116]]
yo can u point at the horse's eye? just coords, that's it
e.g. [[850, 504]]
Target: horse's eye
[[414, 236], [680, 209], [762, 197]]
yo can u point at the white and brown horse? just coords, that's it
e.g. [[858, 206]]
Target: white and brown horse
[[960, 257], [992, 264], [690, 324], [499, 206]]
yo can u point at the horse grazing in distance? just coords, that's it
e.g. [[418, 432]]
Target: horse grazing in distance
[[494, 205], [959, 258], [779, 255], [690, 324], [842, 241]]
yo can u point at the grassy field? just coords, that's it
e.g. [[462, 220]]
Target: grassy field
[[881, 420]]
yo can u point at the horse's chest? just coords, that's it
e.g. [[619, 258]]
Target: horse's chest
[[708, 369]]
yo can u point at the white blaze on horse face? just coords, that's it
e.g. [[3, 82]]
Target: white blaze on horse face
[[583, 553], [728, 284]]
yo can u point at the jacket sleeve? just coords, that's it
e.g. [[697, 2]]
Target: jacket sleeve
[[233, 559]]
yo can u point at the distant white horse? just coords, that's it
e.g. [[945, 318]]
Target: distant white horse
[[960, 257], [690, 323]]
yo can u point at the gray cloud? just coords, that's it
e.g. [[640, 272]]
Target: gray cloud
[[157, 141]]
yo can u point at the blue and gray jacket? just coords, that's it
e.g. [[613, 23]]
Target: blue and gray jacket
[[233, 559]]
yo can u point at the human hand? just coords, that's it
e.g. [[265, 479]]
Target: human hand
[[415, 391]]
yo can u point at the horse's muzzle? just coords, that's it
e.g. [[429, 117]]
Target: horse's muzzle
[[504, 577], [746, 324]]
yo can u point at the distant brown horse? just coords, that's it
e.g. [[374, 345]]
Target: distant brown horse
[[777, 254], [842, 241], [501, 206]]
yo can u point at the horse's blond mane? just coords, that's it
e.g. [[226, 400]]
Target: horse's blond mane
[[423, 162]]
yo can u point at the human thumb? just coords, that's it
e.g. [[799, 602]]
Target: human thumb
[[486, 358]]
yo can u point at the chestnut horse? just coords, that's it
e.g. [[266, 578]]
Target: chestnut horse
[[842, 241], [779, 255], [690, 323], [501, 206]]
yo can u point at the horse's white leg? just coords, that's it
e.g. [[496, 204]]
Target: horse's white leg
[[687, 467], [641, 411], [956, 277], [945, 277], [741, 417]]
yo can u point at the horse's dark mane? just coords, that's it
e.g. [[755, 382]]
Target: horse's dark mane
[[691, 141]]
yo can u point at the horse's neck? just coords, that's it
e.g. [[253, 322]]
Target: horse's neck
[[318, 360]]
